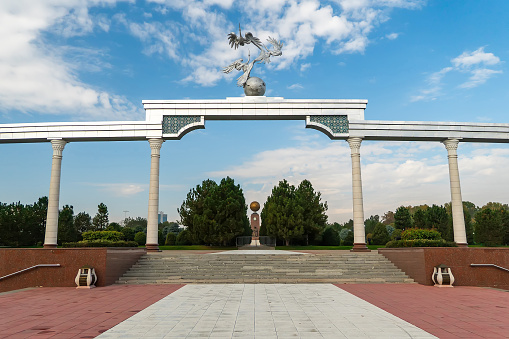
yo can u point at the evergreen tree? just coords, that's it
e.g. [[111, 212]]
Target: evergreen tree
[[282, 215], [439, 219], [313, 210], [101, 219], [66, 230], [215, 214], [421, 219], [489, 229], [380, 234], [402, 218], [370, 223], [83, 222], [330, 237]]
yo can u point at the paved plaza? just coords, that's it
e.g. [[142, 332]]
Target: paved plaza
[[256, 311], [266, 311]]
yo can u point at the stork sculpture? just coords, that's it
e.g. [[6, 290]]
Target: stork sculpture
[[245, 80]]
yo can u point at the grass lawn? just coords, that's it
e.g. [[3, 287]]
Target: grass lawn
[[195, 247], [303, 248]]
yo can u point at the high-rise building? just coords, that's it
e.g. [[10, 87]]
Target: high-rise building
[[162, 217]]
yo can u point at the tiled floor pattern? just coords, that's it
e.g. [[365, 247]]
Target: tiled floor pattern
[[460, 312], [66, 312], [264, 311]]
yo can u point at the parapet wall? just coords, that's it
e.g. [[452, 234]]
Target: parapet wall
[[418, 263], [109, 264]]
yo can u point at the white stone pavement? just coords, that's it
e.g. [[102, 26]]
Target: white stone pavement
[[263, 311]]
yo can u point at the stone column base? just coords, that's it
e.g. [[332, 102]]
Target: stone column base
[[462, 245], [50, 245], [152, 248], [360, 247]]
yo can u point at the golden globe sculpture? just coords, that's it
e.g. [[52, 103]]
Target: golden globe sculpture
[[254, 206]]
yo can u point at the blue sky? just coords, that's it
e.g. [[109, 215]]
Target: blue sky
[[78, 60]]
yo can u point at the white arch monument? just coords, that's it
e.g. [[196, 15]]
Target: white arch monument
[[172, 119]]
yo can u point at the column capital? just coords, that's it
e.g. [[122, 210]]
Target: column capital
[[355, 144], [58, 146], [155, 145], [451, 144]]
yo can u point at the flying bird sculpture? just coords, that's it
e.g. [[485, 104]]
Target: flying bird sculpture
[[246, 67]]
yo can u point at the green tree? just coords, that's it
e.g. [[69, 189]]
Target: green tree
[[66, 230], [489, 229], [282, 215], [136, 223], [230, 212], [348, 241], [215, 214], [101, 220], [114, 226], [380, 234], [313, 210], [370, 223], [170, 239], [195, 213], [128, 233], [421, 219], [402, 218], [83, 222], [439, 219], [330, 237], [388, 218], [140, 238]]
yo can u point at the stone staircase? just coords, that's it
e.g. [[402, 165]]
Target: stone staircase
[[341, 267]]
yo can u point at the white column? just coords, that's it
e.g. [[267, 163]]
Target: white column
[[358, 205], [458, 219], [153, 195], [50, 239]]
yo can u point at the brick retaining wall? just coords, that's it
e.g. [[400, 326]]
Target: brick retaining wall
[[109, 264], [418, 263]]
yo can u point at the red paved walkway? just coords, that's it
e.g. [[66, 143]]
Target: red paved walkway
[[65, 312], [459, 312]]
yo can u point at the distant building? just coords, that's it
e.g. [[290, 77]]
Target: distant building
[[162, 217]]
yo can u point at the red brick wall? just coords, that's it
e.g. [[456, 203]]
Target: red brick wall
[[109, 264], [418, 263]]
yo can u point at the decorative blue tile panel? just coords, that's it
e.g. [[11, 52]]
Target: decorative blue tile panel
[[336, 123], [174, 123]]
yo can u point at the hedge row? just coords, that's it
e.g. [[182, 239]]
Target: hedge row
[[106, 235], [101, 243], [420, 243]]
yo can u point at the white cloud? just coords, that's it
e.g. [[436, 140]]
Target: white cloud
[[479, 77], [393, 173], [478, 57], [304, 67], [121, 190], [392, 36], [36, 77], [296, 86], [344, 26], [472, 63]]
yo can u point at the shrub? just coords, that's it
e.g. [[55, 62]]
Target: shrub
[[128, 233], [183, 238], [380, 234], [396, 234], [418, 233], [102, 235], [100, 243], [330, 237], [170, 239], [140, 238], [348, 241], [420, 243]]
